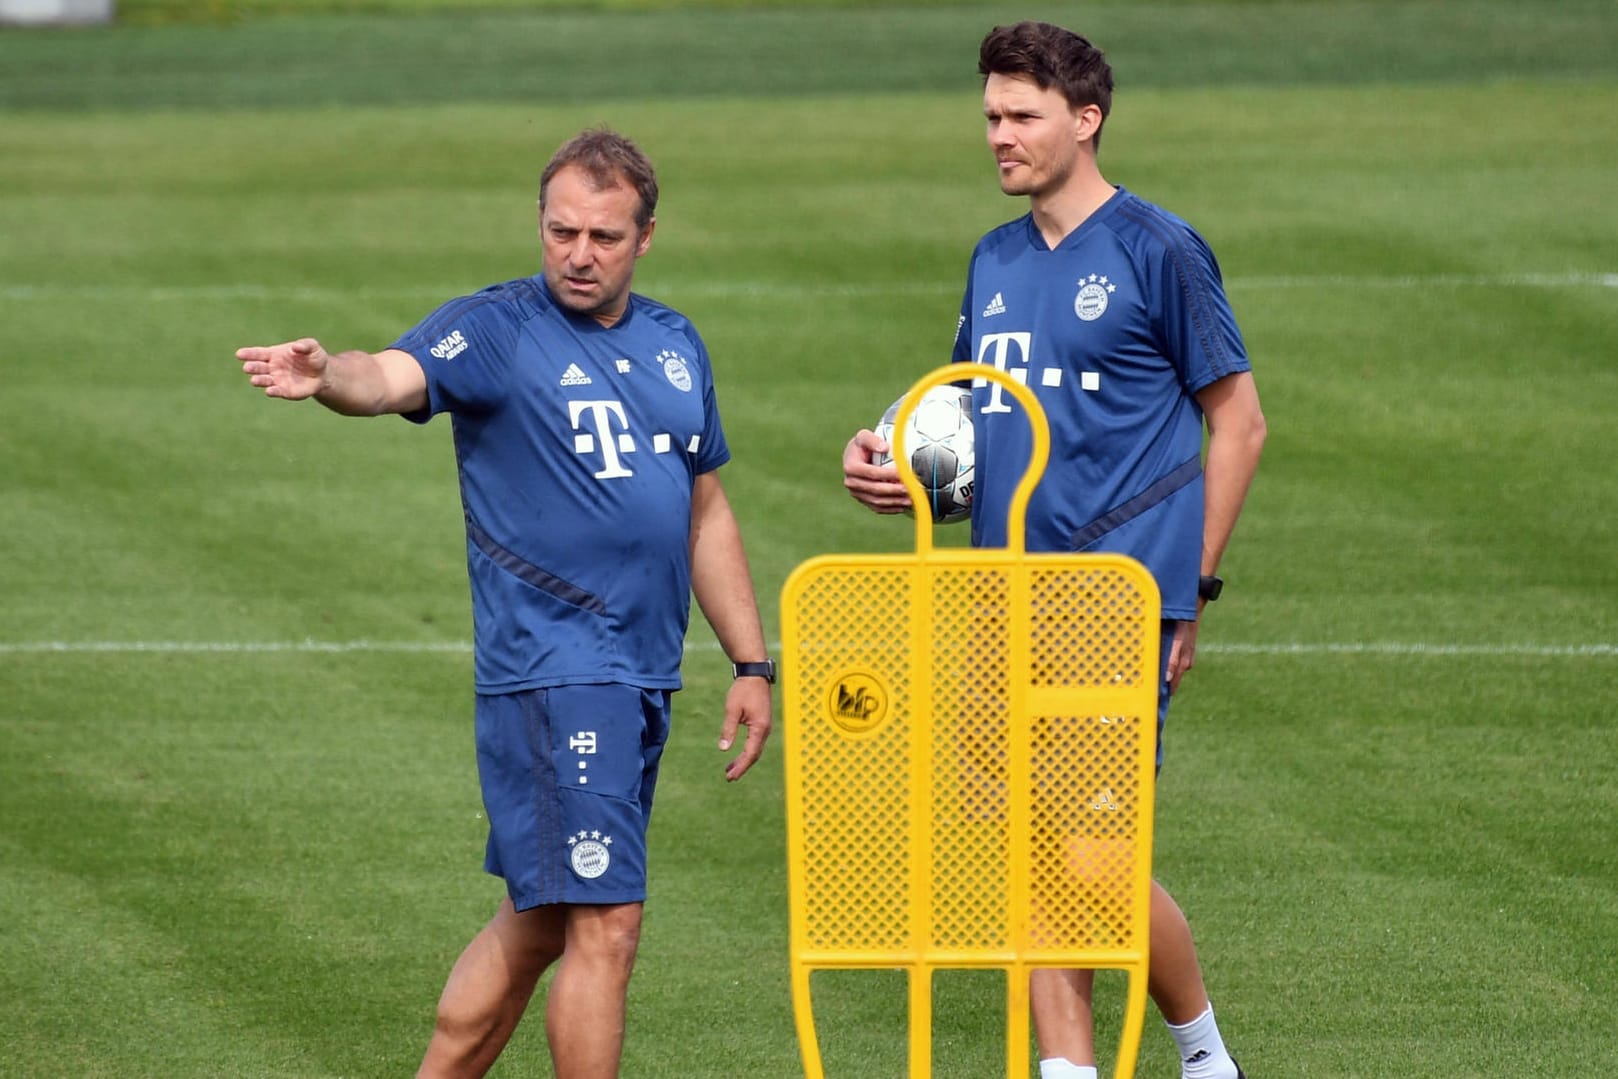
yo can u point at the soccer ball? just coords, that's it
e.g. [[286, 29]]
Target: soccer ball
[[939, 443]]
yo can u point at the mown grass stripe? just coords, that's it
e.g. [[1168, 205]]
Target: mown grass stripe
[[25, 293], [1258, 648]]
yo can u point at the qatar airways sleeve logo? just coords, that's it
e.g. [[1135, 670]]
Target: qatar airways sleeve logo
[[600, 428], [451, 346]]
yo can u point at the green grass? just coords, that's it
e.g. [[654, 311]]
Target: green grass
[[443, 53], [1396, 855], [216, 11]]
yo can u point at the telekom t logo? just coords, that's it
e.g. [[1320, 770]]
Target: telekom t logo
[[584, 744], [1003, 350], [1003, 346], [612, 444]]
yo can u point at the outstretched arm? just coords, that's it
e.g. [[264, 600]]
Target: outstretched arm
[[352, 383], [724, 590], [1236, 433]]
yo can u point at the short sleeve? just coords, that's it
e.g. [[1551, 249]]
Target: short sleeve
[[961, 352], [1198, 328], [464, 349], [712, 449]]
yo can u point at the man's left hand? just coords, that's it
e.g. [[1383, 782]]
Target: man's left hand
[[746, 705]]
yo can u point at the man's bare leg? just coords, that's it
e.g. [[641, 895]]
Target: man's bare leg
[[1059, 1002], [1175, 980], [488, 989], [584, 1013]]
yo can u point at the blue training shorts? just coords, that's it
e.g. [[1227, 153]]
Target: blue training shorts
[[568, 774]]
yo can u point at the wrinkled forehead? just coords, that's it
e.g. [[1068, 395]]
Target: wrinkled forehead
[[577, 199]]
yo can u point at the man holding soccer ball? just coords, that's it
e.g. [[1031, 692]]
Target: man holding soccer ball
[[588, 439], [1114, 313]]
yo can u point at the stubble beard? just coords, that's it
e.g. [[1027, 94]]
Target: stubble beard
[[575, 304]]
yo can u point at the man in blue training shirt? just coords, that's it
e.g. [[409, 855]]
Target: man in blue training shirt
[[588, 439], [1113, 312]]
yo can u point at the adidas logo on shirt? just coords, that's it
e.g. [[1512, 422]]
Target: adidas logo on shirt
[[574, 377], [997, 306]]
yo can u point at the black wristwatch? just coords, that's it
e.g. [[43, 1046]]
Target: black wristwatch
[[1209, 587], [764, 670]]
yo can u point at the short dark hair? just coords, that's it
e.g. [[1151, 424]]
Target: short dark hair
[[608, 159], [1050, 56]]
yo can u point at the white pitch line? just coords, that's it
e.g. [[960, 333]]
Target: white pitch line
[[234, 647], [1275, 648], [313, 294], [25, 293], [1398, 648], [1525, 280]]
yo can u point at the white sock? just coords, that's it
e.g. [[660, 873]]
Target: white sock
[[1202, 1050], [1063, 1068]]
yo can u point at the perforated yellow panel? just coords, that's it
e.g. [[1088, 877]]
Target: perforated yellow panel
[[965, 791], [970, 741]]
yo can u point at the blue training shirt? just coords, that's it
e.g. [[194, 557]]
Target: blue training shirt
[[1114, 330], [577, 446]]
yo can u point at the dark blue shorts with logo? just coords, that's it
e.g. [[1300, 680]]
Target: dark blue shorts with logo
[[568, 774]]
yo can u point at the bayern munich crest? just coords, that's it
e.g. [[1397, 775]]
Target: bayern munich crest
[[591, 854], [1091, 302], [675, 369]]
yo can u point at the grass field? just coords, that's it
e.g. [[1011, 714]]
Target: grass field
[[239, 824]]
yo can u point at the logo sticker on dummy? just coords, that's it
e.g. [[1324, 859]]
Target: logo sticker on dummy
[[675, 370], [857, 703], [1091, 302], [591, 854]]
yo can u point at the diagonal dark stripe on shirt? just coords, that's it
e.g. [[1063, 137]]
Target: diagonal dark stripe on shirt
[[1128, 511], [549, 583]]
